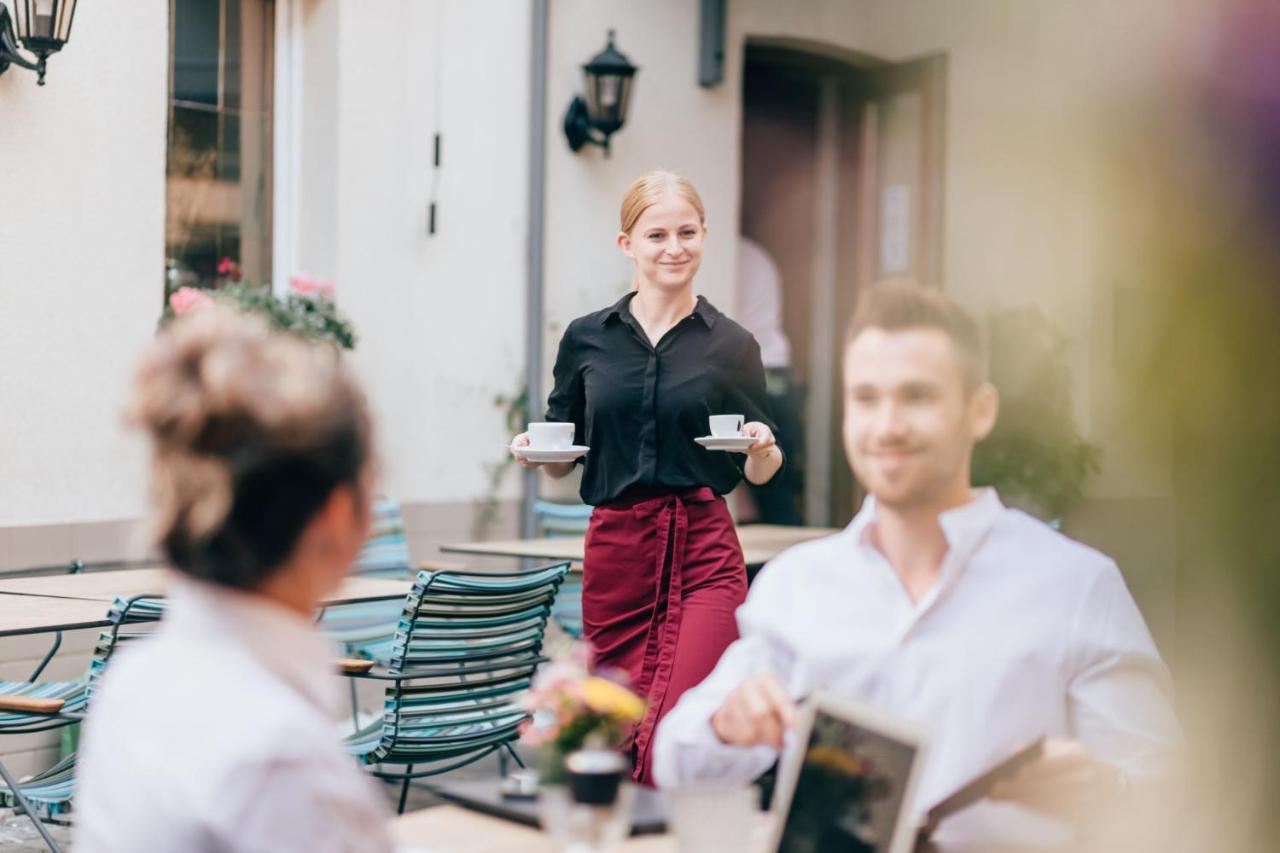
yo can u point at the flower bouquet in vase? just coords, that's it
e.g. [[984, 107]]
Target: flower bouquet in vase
[[580, 722]]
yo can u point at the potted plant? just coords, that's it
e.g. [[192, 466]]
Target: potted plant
[[308, 309], [1035, 457]]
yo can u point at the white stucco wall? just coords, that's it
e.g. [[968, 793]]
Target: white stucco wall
[[81, 263], [439, 317]]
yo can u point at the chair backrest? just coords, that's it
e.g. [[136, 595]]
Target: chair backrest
[[466, 647], [386, 551], [128, 616], [556, 519]]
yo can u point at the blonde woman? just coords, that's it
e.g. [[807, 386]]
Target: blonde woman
[[664, 571], [220, 733]]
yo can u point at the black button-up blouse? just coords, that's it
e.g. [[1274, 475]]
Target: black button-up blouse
[[639, 407]]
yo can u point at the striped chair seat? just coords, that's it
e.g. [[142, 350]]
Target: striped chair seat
[[72, 693], [50, 792]]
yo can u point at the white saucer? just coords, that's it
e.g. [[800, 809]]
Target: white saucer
[[725, 442], [561, 454]]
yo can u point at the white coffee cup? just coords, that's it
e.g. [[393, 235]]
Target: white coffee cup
[[550, 436], [726, 426]]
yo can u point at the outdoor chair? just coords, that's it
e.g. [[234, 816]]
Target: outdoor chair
[[46, 796], [559, 520], [465, 649], [366, 629]]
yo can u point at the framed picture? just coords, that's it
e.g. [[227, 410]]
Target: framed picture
[[850, 784]]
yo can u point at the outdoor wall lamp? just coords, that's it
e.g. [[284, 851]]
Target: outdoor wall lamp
[[608, 79], [43, 27]]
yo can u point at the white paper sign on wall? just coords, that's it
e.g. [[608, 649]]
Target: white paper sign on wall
[[895, 229]]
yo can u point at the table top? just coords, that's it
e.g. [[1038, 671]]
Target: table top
[[106, 586], [34, 614], [760, 544], [453, 829]]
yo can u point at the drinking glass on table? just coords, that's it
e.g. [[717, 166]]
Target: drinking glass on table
[[712, 817]]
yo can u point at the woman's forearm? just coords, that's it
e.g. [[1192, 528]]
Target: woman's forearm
[[760, 469], [557, 470]]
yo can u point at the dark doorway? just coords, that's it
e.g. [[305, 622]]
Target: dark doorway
[[841, 186]]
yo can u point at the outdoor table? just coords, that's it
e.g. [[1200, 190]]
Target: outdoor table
[[760, 544], [453, 829], [106, 586], [38, 614]]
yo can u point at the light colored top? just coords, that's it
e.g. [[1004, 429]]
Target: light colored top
[[221, 733], [759, 303], [1026, 633]]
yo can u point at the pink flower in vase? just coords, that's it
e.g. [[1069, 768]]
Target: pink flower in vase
[[184, 300]]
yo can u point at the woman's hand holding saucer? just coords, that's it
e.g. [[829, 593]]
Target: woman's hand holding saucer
[[522, 440], [764, 440]]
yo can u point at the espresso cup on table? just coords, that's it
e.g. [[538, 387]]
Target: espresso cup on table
[[550, 436], [726, 426]]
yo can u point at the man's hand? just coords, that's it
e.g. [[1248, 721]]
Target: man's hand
[[1065, 781], [755, 714]]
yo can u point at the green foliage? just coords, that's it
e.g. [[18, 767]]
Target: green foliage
[[515, 412], [1035, 457], [314, 317]]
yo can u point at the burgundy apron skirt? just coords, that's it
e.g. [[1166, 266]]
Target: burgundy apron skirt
[[662, 578]]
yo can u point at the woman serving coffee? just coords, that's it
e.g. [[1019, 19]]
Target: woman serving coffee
[[639, 381]]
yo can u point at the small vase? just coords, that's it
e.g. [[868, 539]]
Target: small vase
[[590, 810]]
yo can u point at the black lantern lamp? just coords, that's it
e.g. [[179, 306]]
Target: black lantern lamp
[[43, 27], [608, 79]]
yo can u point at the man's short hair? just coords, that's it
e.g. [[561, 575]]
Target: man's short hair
[[900, 305]]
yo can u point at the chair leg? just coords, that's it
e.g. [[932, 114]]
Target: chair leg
[[404, 789], [511, 749], [24, 806], [355, 706]]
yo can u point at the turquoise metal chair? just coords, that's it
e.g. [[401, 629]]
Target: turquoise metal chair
[[557, 520], [465, 649], [47, 795], [361, 629]]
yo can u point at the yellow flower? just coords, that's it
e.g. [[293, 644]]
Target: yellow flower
[[835, 759], [604, 697]]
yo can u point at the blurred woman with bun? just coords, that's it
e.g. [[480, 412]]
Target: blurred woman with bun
[[220, 732]]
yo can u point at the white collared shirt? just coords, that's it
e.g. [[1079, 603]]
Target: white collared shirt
[[1025, 633], [759, 303], [221, 733]]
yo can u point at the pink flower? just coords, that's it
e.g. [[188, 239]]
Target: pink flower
[[187, 299], [229, 268], [304, 285]]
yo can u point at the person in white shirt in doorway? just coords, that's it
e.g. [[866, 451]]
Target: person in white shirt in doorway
[[940, 606]]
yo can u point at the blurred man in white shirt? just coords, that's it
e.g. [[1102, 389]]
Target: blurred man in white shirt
[[940, 606]]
